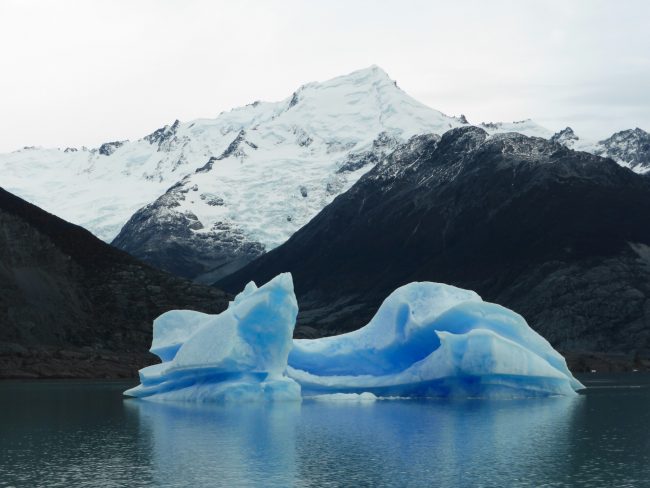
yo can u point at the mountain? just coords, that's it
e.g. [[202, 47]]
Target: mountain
[[629, 148], [526, 127], [559, 236], [73, 306], [284, 163], [202, 198]]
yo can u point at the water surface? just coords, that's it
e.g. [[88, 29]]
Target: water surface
[[85, 434]]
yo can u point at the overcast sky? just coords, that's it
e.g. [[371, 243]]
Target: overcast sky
[[84, 72]]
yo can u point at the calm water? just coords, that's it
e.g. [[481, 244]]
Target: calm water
[[84, 434]]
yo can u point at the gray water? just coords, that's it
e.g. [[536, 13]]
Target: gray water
[[85, 434]]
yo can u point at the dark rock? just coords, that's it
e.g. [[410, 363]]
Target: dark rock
[[163, 135], [560, 236], [233, 149], [160, 235], [294, 100], [109, 148], [565, 137], [631, 147], [64, 295]]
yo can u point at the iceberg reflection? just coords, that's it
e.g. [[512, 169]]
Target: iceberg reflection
[[379, 443]]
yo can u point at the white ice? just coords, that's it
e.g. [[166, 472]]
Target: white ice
[[237, 355], [426, 340], [434, 340]]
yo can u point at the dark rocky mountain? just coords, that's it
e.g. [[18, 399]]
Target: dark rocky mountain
[[163, 233], [560, 236], [160, 235], [73, 306]]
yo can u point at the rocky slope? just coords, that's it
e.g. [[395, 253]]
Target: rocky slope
[[560, 236], [629, 148], [203, 198], [285, 161], [73, 306]]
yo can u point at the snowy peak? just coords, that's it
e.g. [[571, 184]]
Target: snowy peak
[[352, 107], [527, 127], [164, 134], [566, 137], [271, 165], [366, 77], [373, 75], [268, 168], [630, 147], [109, 148], [314, 129]]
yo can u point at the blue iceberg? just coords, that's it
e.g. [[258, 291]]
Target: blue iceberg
[[237, 355], [426, 340], [434, 340]]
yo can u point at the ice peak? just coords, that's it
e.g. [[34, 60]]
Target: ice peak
[[366, 76], [565, 137]]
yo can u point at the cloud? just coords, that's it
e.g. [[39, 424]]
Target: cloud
[[83, 72]]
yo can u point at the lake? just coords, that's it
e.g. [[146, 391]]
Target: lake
[[73, 433]]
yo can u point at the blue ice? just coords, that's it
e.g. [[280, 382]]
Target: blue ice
[[237, 355], [426, 340]]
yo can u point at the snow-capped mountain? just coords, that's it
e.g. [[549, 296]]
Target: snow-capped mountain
[[283, 163], [209, 195], [629, 148], [302, 138], [526, 127]]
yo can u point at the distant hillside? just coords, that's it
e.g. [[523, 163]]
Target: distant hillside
[[73, 306], [560, 236]]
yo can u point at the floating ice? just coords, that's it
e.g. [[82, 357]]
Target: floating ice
[[426, 340], [345, 397], [239, 354], [431, 339]]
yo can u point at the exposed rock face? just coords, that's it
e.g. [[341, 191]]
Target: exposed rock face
[[268, 151], [71, 305], [109, 148], [162, 136], [169, 236], [275, 167], [630, 147], [176, 241], [561, 237], [566, 137]]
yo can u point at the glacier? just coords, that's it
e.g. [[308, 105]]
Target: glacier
[[426, 340]]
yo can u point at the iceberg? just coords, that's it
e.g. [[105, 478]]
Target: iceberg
[[434, 340], [426, 340], [238, 355]]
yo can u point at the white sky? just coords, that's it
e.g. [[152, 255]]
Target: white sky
[[84, 72]]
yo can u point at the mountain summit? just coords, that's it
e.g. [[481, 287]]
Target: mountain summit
[[203, 198], [277, 165], [317, 125]]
